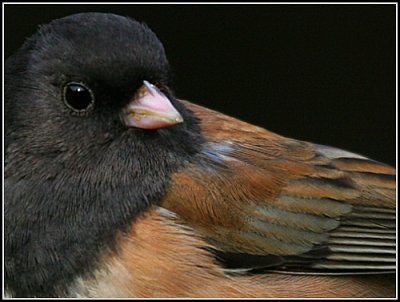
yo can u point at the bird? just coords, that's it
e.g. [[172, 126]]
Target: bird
[[115, 187]]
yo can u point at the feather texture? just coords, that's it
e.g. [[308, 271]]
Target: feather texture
[[318, 209]]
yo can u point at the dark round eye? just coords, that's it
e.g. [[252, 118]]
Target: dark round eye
[[78, 97]]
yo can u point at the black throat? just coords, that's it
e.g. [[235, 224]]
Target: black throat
[[62, 216], [72, 183]]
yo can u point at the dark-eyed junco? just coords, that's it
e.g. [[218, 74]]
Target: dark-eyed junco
[[115, 188]]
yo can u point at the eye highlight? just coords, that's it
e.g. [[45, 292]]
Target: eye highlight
[[78, 97]]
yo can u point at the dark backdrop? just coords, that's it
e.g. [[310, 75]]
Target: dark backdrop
[[322, 73]]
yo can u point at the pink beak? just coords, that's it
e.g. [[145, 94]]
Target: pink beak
[[150, 109]]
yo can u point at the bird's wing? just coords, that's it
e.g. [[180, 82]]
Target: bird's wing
[[264, 200]]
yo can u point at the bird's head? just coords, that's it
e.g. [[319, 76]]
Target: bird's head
[[92, 91], [93, 134]]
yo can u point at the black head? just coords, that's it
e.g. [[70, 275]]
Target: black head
[[76, 177]]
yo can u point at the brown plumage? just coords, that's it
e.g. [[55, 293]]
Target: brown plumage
[[277, 195], [274, 196], [176, 265], [115, 188]]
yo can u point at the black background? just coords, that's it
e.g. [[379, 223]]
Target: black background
[[321, 73]]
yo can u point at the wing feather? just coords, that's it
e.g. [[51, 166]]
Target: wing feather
[[310, 208]]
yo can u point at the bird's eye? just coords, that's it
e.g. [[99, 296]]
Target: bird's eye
[[78, 97]]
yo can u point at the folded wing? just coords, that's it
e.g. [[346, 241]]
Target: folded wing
[[266, 201]]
